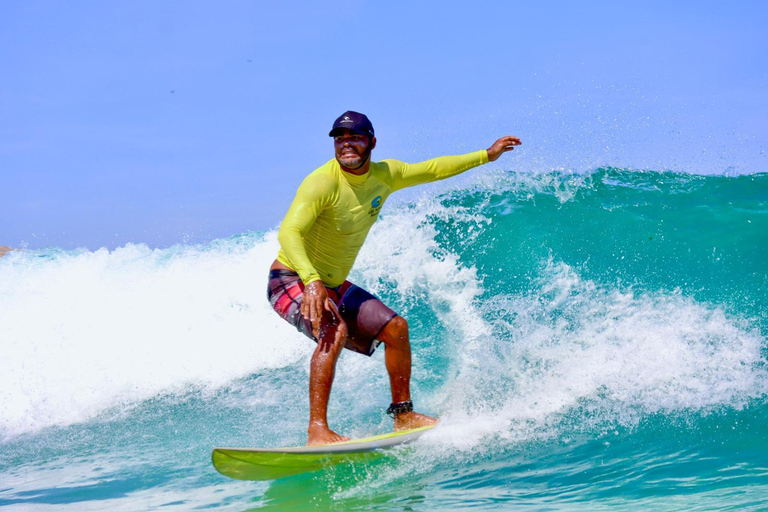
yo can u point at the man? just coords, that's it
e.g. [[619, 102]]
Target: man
[[320, 237]]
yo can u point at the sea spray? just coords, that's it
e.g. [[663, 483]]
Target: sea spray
[[88, 331]]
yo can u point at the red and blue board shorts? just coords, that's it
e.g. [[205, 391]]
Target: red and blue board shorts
[[365, 315]]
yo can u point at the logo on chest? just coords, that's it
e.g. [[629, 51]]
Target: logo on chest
[[375, 206]]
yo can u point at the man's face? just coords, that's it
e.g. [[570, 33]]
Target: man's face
[[352, 149]]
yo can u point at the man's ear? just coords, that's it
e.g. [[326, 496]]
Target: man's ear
[[373, 144]]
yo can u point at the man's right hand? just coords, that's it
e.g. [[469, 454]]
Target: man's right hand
[[312, 304], [314, 301]]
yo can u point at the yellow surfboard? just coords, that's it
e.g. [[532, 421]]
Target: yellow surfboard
[[272, 463]]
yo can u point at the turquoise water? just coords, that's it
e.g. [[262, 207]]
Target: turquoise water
[[590, 341]]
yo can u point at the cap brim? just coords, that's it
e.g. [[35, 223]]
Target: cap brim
[[333, 132]]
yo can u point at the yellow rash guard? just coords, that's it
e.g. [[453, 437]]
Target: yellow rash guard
[[333, 210]]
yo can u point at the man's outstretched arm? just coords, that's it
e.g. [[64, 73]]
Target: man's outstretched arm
[[408, 175]]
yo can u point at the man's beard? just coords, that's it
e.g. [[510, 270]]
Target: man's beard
[[357, 162]]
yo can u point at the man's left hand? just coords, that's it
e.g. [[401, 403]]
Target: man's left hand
[[502, 145]]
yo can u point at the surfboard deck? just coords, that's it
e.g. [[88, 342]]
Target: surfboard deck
[[273, 463]]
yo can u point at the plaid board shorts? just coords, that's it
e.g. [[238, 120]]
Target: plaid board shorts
[[365, 315]]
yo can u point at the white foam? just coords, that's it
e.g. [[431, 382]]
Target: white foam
[[573, 357], [85, 331], [523, 364], [611, 356]]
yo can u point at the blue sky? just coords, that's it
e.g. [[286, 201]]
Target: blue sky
[[167, 122]]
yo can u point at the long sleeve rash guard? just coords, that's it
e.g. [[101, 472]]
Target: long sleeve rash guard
[[333, 210]]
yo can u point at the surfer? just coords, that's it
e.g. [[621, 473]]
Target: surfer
[[320, 237]]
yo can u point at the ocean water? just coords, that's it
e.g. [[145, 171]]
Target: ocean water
[[591, 341]]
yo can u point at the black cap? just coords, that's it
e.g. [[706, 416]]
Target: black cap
[[353, 121]]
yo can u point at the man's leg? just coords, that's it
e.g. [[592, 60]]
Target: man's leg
[[321, 372], [397, 357]]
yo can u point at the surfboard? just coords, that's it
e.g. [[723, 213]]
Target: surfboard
[[273, 463]]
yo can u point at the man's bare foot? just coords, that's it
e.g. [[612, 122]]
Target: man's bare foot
[[319, 434], [408, 420]]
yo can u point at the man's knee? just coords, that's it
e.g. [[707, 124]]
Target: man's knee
[[332, 335], [396, 331], [329, 346], [400, 325]]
